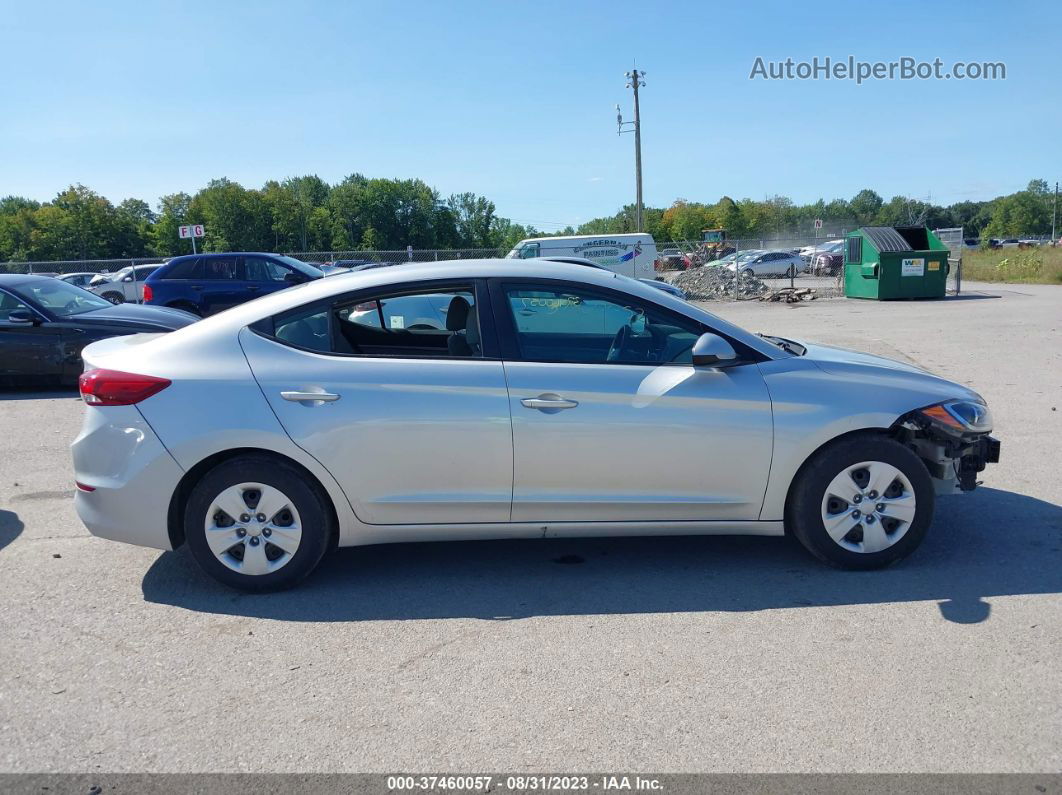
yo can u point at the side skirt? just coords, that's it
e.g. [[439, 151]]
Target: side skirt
[[395, 534]]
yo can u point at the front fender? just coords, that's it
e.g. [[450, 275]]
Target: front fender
[[812, 407]]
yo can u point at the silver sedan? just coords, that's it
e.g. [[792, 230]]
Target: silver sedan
[[768, 263], [554, 400]]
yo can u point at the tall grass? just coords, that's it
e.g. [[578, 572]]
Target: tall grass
[[1041, 265]]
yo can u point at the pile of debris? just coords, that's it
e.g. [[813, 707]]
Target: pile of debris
[[716, 282], [791, 295]]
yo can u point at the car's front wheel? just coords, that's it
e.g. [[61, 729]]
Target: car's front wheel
[[861, 503], [113, 297], [257, 524]]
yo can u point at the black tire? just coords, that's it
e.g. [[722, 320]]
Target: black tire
[[186, 306], [113, 297], [804, 511], [748, 272], [308, 498]]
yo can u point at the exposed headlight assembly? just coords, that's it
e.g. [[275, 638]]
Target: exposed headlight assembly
[[965, 416]]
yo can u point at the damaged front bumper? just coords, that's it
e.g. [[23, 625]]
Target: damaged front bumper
[[954, 459], [976, 456]]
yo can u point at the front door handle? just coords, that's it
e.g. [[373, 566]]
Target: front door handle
[[312, 397], [549, 403]]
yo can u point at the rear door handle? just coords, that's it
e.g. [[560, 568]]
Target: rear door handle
[[548, 402], [313, 397]]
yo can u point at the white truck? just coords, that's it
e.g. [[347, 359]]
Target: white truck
[[628, 255]]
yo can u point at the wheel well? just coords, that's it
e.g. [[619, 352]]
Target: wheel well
[[850, 434], [175, 513]]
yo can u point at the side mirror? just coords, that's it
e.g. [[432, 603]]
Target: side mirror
[[711, 350], [291, 277], [22, 317]]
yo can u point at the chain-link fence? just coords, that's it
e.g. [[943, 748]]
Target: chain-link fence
[[61, 267], [782, 268], [805, 266], [395, 257], [953, 239]]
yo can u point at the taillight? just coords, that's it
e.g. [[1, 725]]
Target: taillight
[[115, 388], [148, 295]]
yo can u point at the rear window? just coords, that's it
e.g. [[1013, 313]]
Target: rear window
[[183, 269]]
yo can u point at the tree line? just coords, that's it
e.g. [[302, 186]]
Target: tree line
[[359, 213], [1025, 212]]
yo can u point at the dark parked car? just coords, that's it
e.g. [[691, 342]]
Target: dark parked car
[[207, 283], [45, 322]]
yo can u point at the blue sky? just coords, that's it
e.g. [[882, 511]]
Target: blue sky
[[515, 100]]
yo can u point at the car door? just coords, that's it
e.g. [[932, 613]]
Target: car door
[[220, 287], [28, 351], [261, 275], [414, 426], [634, 433]]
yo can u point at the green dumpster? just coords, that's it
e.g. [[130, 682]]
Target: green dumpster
[[890, 262]]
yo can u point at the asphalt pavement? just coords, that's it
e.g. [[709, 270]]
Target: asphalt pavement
[[682, 655]]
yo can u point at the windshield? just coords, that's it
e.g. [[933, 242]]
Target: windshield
[[60, 298], [745, 256], [302, 267]]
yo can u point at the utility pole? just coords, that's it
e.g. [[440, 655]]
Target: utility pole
[[634, 81], [1054, 215]]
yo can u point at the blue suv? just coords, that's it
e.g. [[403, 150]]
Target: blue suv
[[208, 283]]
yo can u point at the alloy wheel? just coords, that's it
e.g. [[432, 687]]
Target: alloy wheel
[[868, 507], [253, 528]]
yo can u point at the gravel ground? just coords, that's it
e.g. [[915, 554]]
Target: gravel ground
[[712, 654]]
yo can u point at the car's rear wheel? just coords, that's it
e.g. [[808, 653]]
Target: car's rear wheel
[[861, 503], [113, 297], [257, 524]]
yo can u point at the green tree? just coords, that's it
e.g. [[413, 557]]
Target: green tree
[[228, 210], [173, 212], [292, 205], [83, 221], [865, 206], [17, 219], [472, 217]]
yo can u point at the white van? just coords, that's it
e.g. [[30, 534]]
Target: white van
[[629, 255]]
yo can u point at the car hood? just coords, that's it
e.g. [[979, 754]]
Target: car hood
[[154, 317], [856, 364]]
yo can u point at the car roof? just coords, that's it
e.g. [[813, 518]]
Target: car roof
[[15, 279], [226, 254]]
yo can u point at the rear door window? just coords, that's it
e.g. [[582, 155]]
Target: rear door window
[[430, 323], [184, 269], [219, 268]]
